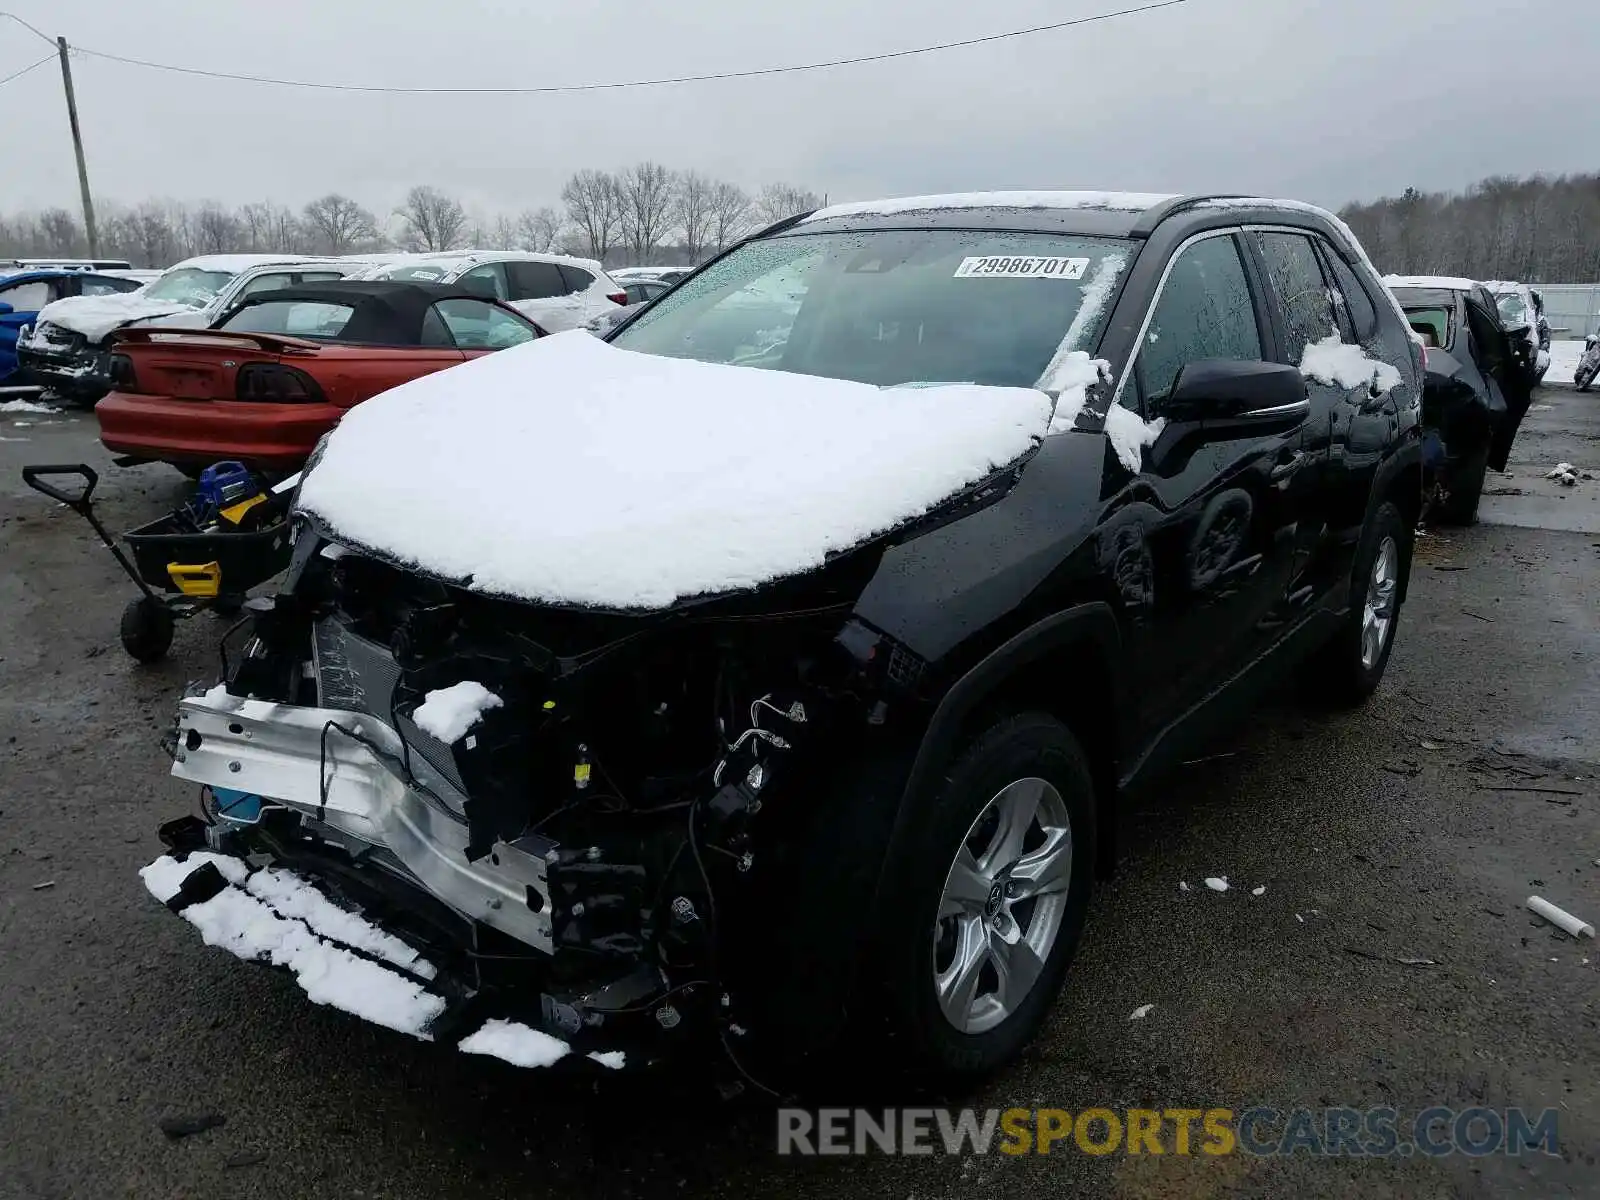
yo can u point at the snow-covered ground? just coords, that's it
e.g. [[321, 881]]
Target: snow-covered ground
[[1564, 358], [664, 477]]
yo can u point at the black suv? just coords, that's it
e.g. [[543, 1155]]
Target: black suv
[[870, 795]]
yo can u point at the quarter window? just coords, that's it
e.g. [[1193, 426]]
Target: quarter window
[[1301, 289], [476, 325], [1204, 311], [576, 280]]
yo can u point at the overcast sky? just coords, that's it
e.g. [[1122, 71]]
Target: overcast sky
[[1324, 100]]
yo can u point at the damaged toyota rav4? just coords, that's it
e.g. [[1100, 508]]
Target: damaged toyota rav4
[[768, 678]]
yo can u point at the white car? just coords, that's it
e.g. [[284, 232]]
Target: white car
[[65, 347], [627, 275], [554, 291]]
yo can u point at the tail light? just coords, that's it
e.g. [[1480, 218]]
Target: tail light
[[271, 383], [617, 297], [120, 368]]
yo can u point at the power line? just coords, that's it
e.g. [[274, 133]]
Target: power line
[[792, 69], [33, 29], [25, 70]]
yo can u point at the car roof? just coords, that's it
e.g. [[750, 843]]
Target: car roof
[[474, 257]]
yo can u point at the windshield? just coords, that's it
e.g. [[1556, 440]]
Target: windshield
[[189, 286], [1512, 308], [893, 306]]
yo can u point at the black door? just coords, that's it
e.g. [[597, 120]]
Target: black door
[[1303, 308], [1211, 507]]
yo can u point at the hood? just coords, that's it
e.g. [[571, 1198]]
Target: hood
[[570, 471], [96, 316]]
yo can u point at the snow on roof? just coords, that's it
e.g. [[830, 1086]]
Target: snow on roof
[[233, 264], [677, 478], [1114, 201], [1445, 283]]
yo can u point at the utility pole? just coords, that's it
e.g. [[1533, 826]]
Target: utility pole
[[77, 146]]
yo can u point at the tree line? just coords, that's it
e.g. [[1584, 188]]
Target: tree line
[[1541, 229], [644, 214]]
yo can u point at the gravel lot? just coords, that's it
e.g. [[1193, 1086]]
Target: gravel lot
[[1382, 830]]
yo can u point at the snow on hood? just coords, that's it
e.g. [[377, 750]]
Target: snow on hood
[[97, 316], [571, 471]]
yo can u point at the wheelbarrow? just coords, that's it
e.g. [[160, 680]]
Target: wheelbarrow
[[180, 567]]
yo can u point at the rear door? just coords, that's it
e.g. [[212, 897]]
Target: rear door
[[1221, 553], [1302, 306]]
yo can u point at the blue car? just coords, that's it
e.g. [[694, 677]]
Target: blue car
[[22, 296]]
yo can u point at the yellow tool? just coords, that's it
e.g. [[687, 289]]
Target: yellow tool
[[234, 514], [202, 580]]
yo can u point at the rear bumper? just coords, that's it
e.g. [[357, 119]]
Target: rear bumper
[[203, 431]]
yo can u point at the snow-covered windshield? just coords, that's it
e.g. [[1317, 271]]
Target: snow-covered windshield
[[892, 306], [188, 285]]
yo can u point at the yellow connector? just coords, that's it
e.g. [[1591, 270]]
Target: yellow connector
[[201, 580]]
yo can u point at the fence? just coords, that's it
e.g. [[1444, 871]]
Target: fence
[[1573, 309]]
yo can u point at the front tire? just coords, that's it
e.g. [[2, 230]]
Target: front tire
[[1349, 668], [147, 629], [994, 889]]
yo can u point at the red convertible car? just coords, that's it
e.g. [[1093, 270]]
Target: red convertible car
[[277, 371]]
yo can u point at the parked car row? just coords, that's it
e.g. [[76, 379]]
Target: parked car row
[[808, 716]]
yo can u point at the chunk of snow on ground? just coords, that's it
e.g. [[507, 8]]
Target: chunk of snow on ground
[[27, 406], [518, 1044], [449, 712], [1182, 886], [1565, 474], [1299, 918], [1259, 891], [1217, 883], [1141, 1012], [616, 1059], [677, 478], [1565, 356], [291, 896], [96, 316], [328, 974], [1117, 201], [1340, 364]]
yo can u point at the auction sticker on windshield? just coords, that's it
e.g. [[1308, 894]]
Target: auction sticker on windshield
[[1004, 266]]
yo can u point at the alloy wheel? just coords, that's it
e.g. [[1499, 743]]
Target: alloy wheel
[[1377, 616], [1002, 906]]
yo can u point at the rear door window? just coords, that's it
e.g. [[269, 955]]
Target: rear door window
[[575, 279], [536, 281], [1205, 310], [1303, 295]]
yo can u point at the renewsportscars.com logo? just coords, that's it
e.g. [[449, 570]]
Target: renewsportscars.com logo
[[1262, 1132]]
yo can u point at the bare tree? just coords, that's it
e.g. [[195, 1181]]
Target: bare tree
[[730, 214], [645, 192], [537, 228], [432, 220], [779, 200], [153, 235], [592, 204], [216, 230], [338, 225], [61, 233], [693, 210]]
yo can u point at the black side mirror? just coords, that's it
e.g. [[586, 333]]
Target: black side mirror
[[1233, 390]]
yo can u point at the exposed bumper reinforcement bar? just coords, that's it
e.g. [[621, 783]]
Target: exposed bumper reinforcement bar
[[301, 759]]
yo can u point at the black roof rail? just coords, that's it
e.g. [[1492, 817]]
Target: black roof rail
[[1153, 216]]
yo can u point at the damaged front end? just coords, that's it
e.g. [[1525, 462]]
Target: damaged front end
[[596, 860]]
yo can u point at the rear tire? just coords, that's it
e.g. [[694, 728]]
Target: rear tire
[[147, 629], [1464, 488], [977, 935], [1349, 668]]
